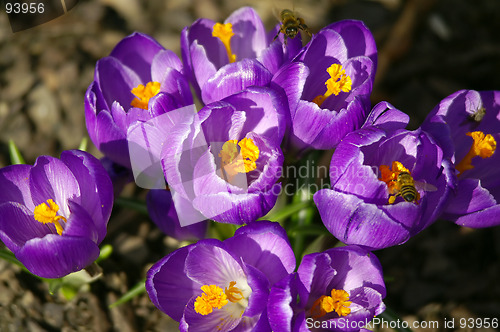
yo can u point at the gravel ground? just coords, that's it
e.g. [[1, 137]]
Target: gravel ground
[[428, 49]]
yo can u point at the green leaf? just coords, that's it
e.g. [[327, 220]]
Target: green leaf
[[16, 157], [137, 290]]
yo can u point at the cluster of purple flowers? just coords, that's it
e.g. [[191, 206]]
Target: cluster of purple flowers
[[263, 100]]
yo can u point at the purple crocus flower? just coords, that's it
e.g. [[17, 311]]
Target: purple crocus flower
[[467, 123], [367, 204], [223, 286], [162, 211], [227, 159], [329, 289], [332, 80], [54, 214], [126, 86], [223, 59]]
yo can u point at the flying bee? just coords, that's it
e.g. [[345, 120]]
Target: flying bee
[[291, 24], [407, 188]]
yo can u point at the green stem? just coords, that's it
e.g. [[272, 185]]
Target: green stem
[[287, 211], [138, 289]]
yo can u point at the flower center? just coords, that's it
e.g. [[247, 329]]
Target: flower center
[[399, 182], [338, 81], [144, 93], [47, 214], [224, 32], [243, 161], [338, 301], [483, 146], [214, 297]]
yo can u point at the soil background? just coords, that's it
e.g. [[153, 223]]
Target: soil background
[[428, 49]]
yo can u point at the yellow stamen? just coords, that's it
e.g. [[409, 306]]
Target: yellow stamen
[[244, 161], [47, 214], [214, 297], [224, 32], [338, 81], [144, 93], [233, 294], [338, 301], [483, 146]]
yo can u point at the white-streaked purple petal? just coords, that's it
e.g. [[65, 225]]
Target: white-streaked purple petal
[[50, 178], [354, 222]]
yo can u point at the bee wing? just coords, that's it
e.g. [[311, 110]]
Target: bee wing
[[419, 185]]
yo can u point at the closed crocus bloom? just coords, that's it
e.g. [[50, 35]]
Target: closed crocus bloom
[[335, 70], [468, 124], [226, 161], [222, 286], [224, 58], [161, 210], [329, 289], [54, 214], [137, 71], [387, 184]]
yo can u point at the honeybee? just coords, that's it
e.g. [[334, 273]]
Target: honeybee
[[406, 187], [291, 24]]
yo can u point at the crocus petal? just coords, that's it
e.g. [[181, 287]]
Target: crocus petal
[[249, 33], [168, 286], [116, 81], [80, 224], [219, 320], [137, 51], [265, 246], [292, 78], [209, 263], [17, 226], [92, 178], [162, 211], [54, 256], [15, 185], [163, 60], [234, 77], [50, 178], [358, 39], [354, 222], [386, 117]]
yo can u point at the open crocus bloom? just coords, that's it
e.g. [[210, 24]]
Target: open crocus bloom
[[223, 59], [225, 161], [54, 214], [328, 289], [336, 70], [137, 71], [468, 124], [387, 184], [223, 286]]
